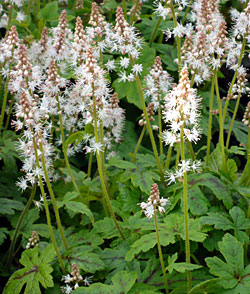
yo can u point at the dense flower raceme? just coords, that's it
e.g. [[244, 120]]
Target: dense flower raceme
[[154, 203], [181, 112], [207, 44], [157, 82]]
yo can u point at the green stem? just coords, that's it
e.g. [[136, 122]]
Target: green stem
[[53, 199], [232, 121], [9, 20], [177, 159], [47, 211], [221, 137], [168, 157], [99, 164], [9, 114], [132, 17], [90, 164], [185, 198], [234, 79], [34, 11], [13, 241], [155, 31], [178, 41], [5, 98], [151, 135], [38, 6], [160, 251], [191, 150], [210, 120], [160, 126], [192, 81], [138, 144], [186, 13], [248, 146], [124, 8], [64, 147]]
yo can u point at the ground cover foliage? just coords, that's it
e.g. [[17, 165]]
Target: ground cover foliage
[[125, 147]]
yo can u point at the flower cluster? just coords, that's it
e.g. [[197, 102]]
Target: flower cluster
[[181, 112], [158, 82], [154, 203], [183, 167], [33, 241], [74, 277]]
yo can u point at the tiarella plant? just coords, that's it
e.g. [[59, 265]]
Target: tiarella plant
[[112, 110]]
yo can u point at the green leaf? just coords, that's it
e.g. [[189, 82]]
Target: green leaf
[[87, 261], [106, 228], [182, 267], [3, 234], [232, 169], [123, 164], [8, 206], [75, 137], [49, 11], [175, 225], [148, 241], [238, 222], [37, 270], [230, 272], [219, 189], [79, 207], [237, 150], [197, 201], [122, 283]]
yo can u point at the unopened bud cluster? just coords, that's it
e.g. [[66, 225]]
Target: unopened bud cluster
[[33, 241], [154, 203]]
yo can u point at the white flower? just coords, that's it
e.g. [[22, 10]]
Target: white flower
[[87, 280], [22, 184], [184, 166], [110, 65], [124, 62], [137, 69], [67, 279], [149, 211], [170, 177], [196, 166], [20, 16]]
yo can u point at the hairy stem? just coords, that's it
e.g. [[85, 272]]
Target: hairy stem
[[9, 114], [132, 17], [221, 136], [5, 98], [138, 144], [124, 8], [20, 220], [160, 252], [178, 40], [167, 163], [151, 135], [100, 169], [53, 198], [64, 147], [90, 164], [155, 31], [160, 126], [185, 198], [232, 121], [234, 79], [210, 120], [47, 210]]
